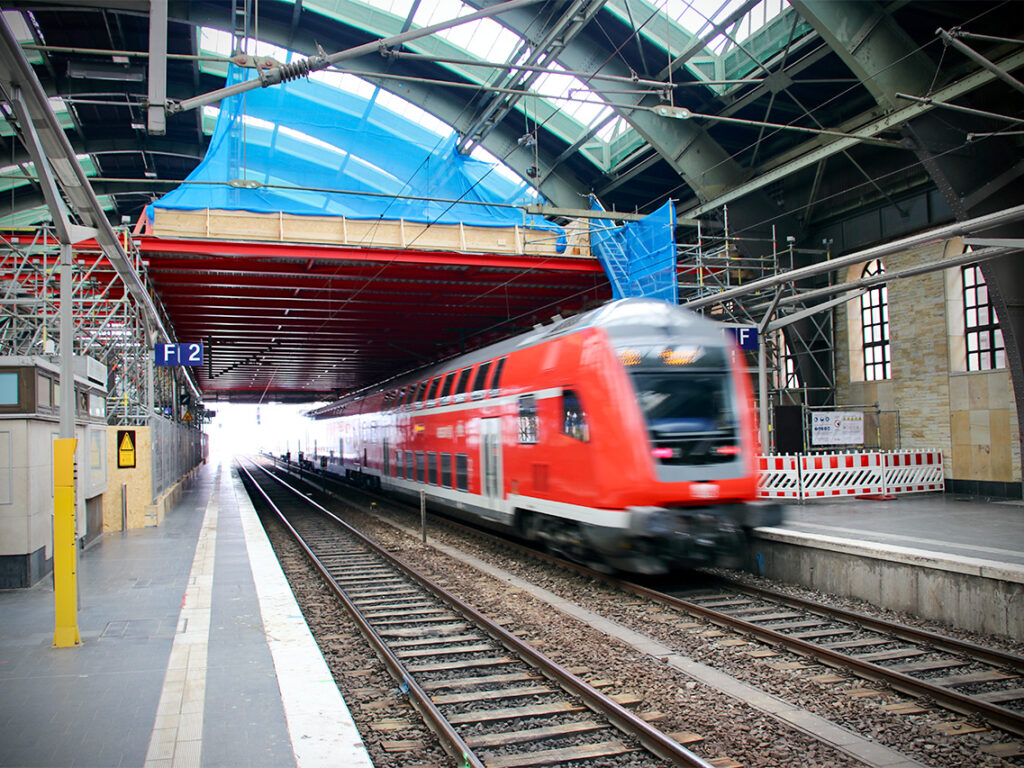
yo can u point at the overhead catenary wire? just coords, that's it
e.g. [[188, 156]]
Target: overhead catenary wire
[[380, 218], [838, 96]]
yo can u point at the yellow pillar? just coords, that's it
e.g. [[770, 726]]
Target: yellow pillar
[[65, 552]]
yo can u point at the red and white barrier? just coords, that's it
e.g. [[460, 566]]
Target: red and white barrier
[[859, 473], [840, 474], [779, 477], [914, 471]]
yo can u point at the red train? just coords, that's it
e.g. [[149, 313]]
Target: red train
[[621, 437]]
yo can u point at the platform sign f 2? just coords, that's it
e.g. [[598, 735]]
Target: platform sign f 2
[[179, 354]]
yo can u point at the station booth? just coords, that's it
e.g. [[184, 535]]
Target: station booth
[[125, 477]]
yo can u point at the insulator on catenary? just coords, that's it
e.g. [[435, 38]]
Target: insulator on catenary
[[296, 69]]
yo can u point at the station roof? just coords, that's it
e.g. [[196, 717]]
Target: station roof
[[812, 118], [283, 321]]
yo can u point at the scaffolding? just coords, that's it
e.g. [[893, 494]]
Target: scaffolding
[[109, 326], [797, 338]]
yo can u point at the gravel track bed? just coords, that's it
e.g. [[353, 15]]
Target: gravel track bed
[[686, 705], [998, 642], [730, 728], [371, 694]]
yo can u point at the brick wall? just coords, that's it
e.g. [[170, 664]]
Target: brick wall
[[970, 417]]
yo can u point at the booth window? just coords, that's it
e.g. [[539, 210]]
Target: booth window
[[985, 348], [874, 315], [9, 388]]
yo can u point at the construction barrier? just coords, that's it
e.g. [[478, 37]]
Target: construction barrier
[[779, 477], [858, 473], [914, 472], [842, 474]]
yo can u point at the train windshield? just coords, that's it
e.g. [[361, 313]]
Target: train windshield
[[691, 415]]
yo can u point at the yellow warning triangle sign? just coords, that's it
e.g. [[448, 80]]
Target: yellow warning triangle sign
[[126, 449]]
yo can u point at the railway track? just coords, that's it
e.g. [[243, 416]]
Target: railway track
[[493, 701], [966, 678]]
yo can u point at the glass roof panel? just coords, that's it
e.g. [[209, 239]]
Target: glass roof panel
[[14, 176], [60, 109], [563, 104], [19, 26], [731, 54], [572, 96], [567, 114], [484, 38]]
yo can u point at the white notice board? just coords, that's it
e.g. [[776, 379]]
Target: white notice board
[[837, 428]]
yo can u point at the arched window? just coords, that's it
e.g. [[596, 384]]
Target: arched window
[[983, 337], [874, 316]]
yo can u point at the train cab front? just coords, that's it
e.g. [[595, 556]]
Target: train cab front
[[692, 393]]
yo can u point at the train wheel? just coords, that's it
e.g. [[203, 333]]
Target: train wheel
[[562, 539]]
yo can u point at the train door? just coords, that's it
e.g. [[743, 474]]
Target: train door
[[490, 463]]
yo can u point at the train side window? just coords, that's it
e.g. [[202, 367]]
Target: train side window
[[480, 378], [527, 419], [462, 471], [399, 398], [496, 378], [460, 388], [574, 418], [399, 468], [417, 398], [419, 466], [446, 470], [432, 467], [408, 465], [449, 380], [432, 392]]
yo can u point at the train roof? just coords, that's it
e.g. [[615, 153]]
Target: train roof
[[629, 320]]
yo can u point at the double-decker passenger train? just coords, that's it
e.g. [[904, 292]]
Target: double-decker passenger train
[[621, 437]]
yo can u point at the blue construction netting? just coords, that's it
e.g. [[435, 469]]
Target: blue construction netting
[[639, 257], [298, 144]]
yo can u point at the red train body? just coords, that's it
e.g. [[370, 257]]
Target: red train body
[[622, 437]]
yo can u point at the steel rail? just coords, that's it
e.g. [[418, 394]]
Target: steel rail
[[450, 739], [902, 631], [649, 736], [999, 716]]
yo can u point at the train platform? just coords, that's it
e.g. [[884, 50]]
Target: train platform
[[193, 653], [954, 559], [940, 524]]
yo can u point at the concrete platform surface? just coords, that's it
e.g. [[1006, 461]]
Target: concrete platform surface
[[933, 522], [193, 653], [954, 560]]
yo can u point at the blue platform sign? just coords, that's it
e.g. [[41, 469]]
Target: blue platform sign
[[746, 336], [179, 354]]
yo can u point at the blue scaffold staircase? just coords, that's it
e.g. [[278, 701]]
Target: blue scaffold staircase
[[639, 257]]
